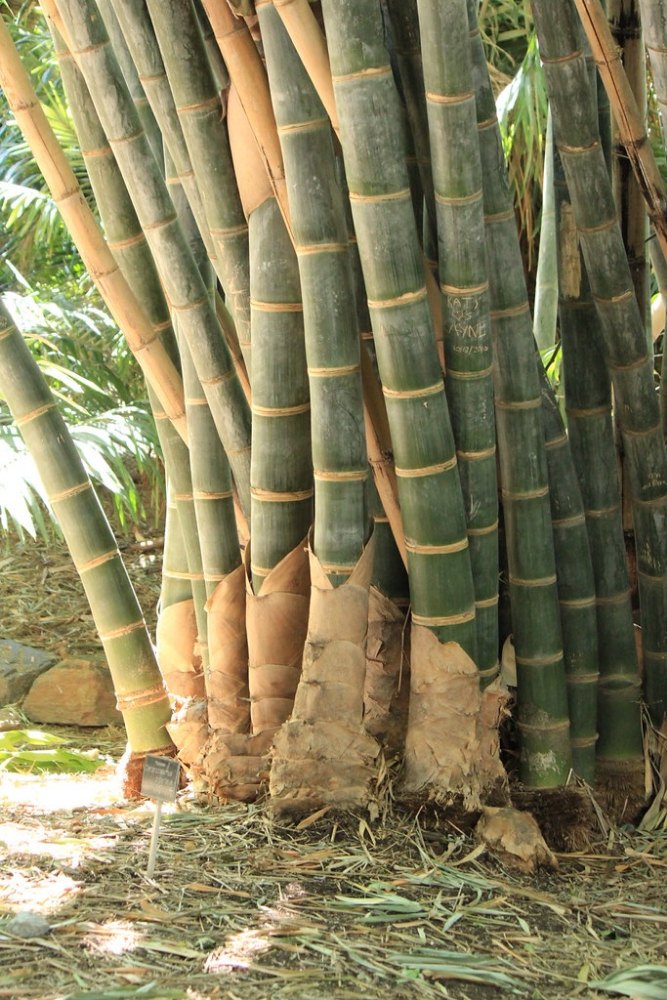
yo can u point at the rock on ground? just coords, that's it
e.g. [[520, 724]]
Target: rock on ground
[[20, 666], [73, 693]]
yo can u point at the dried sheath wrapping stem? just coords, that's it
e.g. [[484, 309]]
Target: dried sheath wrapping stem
[[276, 627], [451, 748], [387, 683], [322, 755]]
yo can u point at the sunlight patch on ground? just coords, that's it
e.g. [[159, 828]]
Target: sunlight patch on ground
[[44, 894], [18, 838], [117, 937], [54, 792]]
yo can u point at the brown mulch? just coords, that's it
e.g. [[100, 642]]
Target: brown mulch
[[243, 908]]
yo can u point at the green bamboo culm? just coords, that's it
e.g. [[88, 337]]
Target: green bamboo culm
[[429, 489], [118, 618], [576, 587], [623, 334], [464, 284], [128, 244], [141, 42], [212, 491], [407, 52], [331, 336], [183, 284], [201, 116], [281, 467], [593, 446], [129, 71], [542, 695]]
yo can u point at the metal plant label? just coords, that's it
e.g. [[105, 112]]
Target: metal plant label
[[160, 779], [160, 783]]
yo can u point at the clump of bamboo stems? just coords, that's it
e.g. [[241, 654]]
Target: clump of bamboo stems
[[308, 195]]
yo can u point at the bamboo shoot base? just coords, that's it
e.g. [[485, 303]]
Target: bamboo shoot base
[[387, 684], [515, 839], [452, 754], [176, 638], [227, 675], [322, 755]]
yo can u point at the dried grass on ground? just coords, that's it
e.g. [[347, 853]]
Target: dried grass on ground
[[242, 908]]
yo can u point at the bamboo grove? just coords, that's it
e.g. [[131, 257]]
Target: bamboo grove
[[304, 227]]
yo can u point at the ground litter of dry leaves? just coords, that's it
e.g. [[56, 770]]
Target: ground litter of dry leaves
[[243, 908]]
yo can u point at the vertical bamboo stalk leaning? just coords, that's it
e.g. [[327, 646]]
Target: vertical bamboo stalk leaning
[[328, 706], [623, 333], [593, 445], [441, 731], [457, 176], [140, 693], [183, 284], [200, 114], [542, 699]]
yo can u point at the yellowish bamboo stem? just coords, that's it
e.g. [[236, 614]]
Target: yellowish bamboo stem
[[142, 340], [248, 75], [629, 121]]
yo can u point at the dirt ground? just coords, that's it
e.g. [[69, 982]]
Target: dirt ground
[[243, 908]]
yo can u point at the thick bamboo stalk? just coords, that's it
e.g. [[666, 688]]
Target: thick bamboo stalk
[[591, 435], [201, 116], [116, 612], [630, 122], [576, 587], [129, 71], [113, 287], [142, 44], [331, 336], [405, 23], [426, 468], [309, 41], [623, 332], [183, 285], [457, 178], [542, 698]]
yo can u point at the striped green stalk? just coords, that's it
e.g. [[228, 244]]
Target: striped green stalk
[[593, 446], [209, 469], [542, 696], [116, 612], [457, 176], [623, 332], [126, 239], [432, 507], [201, 116], [175, 573], [128, 243], [129, 71], [142, 45], [545, 313], [331, 336], [576, 586], [407, 51], [182, 282], [281, 468], [123, 231]]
